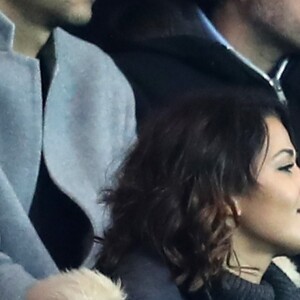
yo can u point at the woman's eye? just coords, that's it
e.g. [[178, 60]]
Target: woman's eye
[[287, 168]]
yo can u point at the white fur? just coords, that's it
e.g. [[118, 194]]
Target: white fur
[[82, 284], [289, 268]]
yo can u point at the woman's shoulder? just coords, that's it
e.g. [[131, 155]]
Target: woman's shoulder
[[145, 276]]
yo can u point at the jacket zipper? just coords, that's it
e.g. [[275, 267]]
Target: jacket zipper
[[274, 82]]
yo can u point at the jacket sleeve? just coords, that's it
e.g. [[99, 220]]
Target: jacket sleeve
[[14, 280], [23, 258]]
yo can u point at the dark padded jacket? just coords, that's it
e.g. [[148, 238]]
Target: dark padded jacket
[[164, 69]]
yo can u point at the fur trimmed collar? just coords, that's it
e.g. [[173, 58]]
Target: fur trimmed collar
[[289, 268], [82, 284]]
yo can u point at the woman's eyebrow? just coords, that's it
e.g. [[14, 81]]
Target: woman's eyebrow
[[289, 152]]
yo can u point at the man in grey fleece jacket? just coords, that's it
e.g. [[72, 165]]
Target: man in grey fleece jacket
[[66, 116]]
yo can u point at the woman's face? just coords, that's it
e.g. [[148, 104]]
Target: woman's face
[[270, 215]]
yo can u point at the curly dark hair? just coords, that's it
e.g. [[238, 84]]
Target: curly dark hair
[[176, 186]]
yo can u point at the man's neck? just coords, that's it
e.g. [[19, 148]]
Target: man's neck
[[29, 37], [260, 50]]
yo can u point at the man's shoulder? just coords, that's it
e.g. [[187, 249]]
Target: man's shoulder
[[73, 46], [76, 54]]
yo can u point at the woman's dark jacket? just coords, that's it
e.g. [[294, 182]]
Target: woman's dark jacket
[[145, 277]]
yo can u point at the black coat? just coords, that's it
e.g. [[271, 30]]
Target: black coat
[[164, 69], [144, 276]]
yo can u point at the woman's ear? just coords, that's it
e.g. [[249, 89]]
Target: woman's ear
[[232, 211], [236, 206]]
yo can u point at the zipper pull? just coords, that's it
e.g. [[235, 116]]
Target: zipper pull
[[275, 83]]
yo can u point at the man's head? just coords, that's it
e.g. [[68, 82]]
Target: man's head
[[50, 13], [35, 19], [278, 21], [269, 29]]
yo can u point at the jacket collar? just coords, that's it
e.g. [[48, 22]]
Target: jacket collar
[[211, 33], [48, 52], [7, 33]]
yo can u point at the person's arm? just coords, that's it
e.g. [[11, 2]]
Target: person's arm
[[14, 280], [23, 257]]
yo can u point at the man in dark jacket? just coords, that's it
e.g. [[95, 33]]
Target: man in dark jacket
[[243, 43]]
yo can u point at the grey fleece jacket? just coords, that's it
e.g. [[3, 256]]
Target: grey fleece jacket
[[88, 121]]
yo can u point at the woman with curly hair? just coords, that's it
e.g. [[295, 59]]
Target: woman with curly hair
[[207, 198]]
